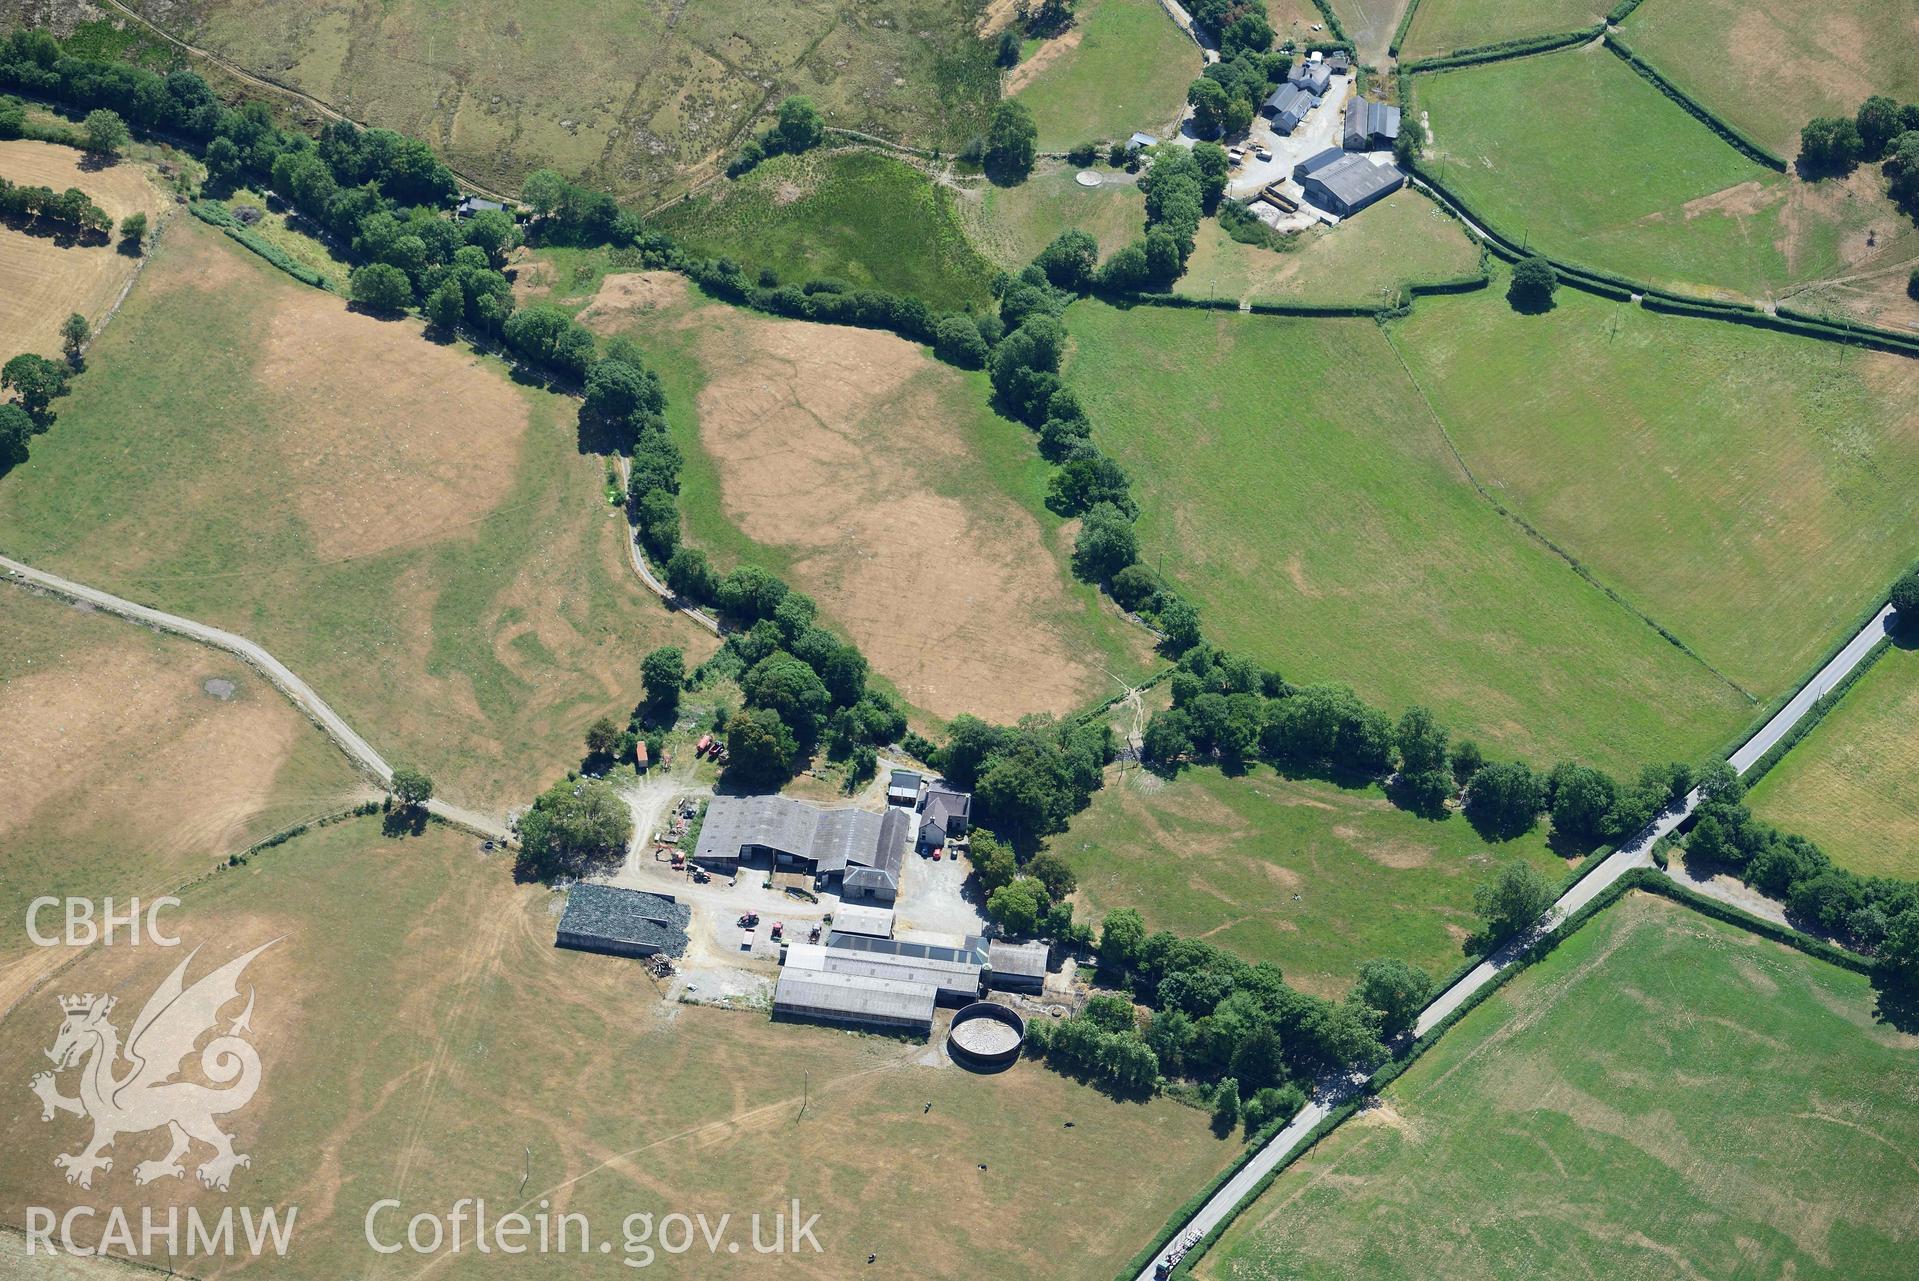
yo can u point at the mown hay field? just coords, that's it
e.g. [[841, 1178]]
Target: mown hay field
[[45, 278], [1370, 25], [1849, 785], [1442, 26], [1664, 1095], [418, 537], [1121, 66], [1697, 467], [1769, 66], [1295, 483], [422, 1038], [1404, 239], [876, 479], [862, 217], [640, 97], [1655, 195], [1316, 877], [134, 761]]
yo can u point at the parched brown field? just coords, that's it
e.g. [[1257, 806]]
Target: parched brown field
[[422, 1039], [416, 535], [133, 761], [43, 281], [870, 470]]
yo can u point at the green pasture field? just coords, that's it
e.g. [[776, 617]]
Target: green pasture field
[[1441, 26], [1316, 877], [1849, 785], [1769, 66], [859, 216], [1664, 1095], [1010, 225], [1294, 483], [419, 538], [1695, 466], [639, 97], [1122, 66], [1403, 239], [1655, 195], [422, 1038]]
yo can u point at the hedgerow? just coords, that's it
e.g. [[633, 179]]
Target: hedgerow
[[1736, 137], [1505, 49]]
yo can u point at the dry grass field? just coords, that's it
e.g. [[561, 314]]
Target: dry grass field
[[396, 520], [1441, 26], [1852, 784], [423, 1039], [1403, 239], [134, 761], [874, 477], [43, 279]]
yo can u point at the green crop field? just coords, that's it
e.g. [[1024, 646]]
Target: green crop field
[[640, 96], [1592, 422], [1662, 1096], [1655, 195], [422, 1038], [1294, 482], [1315, 877], [1012, 224], [1441, 26], [857, 216], [1849, 785], [1122, 66], [397, 521], [1403, 239], [1769, 66]]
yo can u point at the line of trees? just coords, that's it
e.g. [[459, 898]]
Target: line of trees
[[71, 210]]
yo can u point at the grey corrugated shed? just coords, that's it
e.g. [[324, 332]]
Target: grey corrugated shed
[[870, 922], [973, 951], [954, 980], [1351, 183], [831, 838], [1315, 162], [855, 999], [605, 918], [1019, 965]]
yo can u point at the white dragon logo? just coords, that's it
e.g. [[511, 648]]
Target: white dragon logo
[[145, 1097]]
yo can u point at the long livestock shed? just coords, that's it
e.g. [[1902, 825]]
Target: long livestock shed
[[605, 918], [853, 1000], [857, 851]]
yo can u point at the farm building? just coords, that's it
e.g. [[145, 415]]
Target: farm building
[[1288, 106], [1140, 141], [953, 971], [903, 786], [853, 1000], [1370, 125], [1339, 63], [944, 814], [605, 918], [855, 852], [1313, 77], [1016, 967], [1348, 183], [475, 205], [858, 918]]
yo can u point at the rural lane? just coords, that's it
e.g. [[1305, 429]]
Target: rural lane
[[652, 581], [1636, 853], [283, 677]]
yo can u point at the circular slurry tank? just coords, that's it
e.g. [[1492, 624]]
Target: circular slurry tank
[[986, 1037]]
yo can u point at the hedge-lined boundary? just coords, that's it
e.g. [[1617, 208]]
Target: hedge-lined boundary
[[1814, 714], [1656, 882], [1334, 25], [1405, 25], [1191, 1206], [1623, 289], [1391, 1072], [217, 215], [1507, 49], [1731, 133], [1622, 11], [1648, 879]]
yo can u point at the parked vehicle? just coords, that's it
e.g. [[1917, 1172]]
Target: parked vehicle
[[750, 920]]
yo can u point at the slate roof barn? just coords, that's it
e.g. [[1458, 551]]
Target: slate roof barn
[[1350, 183], [859, 851], [1016, 967], [1288, 106], [605, 918], [1370, 125]]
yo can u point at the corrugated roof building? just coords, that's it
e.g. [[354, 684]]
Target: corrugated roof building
[[1350, 183], [1016, 967], [1370, 125], [854, 1000], [858, 852]]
